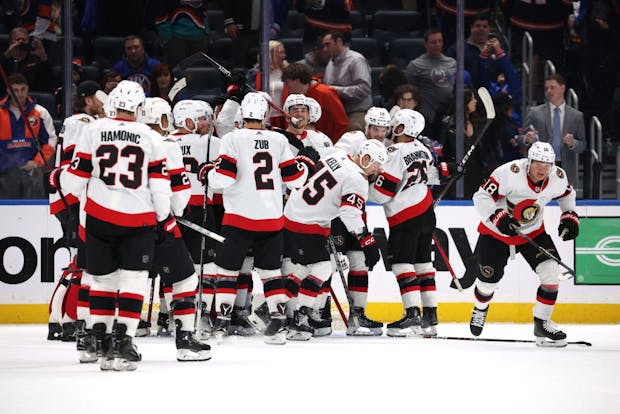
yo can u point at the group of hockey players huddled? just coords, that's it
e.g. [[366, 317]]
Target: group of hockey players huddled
[[279, 199]]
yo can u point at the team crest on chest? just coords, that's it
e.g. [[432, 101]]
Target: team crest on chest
[[525, 211], [515, 168]]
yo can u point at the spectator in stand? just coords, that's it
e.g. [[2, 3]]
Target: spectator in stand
[[277, 90], [349, 74], [110, 80], [558, 124], [162, 81], [317, 59], [136, 65], [433, 72], [475, 172], [501, 142], [183, 27], [77, 75], [242, 25], [325, 16], [297, 78], [447, 16], [28, 57], [20, 161], [406, 96], [389, 79]]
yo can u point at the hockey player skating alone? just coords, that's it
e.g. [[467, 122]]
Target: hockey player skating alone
[[121, 163], [172, 260], [513, 198], [338, 188], [251, 169], [408, 204]]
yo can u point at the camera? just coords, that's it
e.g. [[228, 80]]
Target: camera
[[26, 47], [492, 35]]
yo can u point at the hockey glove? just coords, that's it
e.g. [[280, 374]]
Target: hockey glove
[[204, 172], [504, 222], [291, 138], [168, 229], [309, 156], [51, 180], [569, 226], [236, 85], [370, 249]]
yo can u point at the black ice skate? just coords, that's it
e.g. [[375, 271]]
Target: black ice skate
[[54, 331], [104, 346], [361, 325], [429, 321], [86, 344], [408, 325], [478, 317], [320, 326], [547, 334], [222, 322], [163, 325], [275, 331], [240, 324], [126, 355], [300, 329], [144, 328], [206, 325], [68, 332], [260, 317], [189, 348]]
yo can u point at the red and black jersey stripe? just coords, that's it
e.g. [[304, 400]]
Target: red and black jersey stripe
[[227, 165], [386, 184], [82, 165], [291, 170], [157, 169]]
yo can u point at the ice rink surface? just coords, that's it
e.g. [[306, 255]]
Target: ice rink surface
[[325, 375]]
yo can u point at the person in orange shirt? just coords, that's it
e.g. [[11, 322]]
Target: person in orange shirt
[[298, 79]]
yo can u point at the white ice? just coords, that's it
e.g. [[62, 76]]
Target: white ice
[[324, 375]]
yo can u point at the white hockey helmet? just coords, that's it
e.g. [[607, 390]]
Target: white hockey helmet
[[541, 151], [315, 110], [208, 111], [295, 99], [254, 106], [375, 150], [412, 121], [153, 111], [377, 116], [188, 109], [128, 96]]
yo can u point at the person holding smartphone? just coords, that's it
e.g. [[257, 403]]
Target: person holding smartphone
[[27, 56]]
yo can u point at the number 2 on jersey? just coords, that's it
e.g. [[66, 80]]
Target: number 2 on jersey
[[265, 162]]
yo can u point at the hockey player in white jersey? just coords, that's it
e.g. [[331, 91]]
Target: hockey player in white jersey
[[377, 127], [191, 118], [172, 261], [514, 197], [122, 166], [338, 188], [251, 168], [408, 204]]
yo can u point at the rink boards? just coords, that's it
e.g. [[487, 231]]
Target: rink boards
[[32, 258]]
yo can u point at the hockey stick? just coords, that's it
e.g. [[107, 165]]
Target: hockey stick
[[176, 88], [227, 73], [484, 96], [331, 246], [344, 318], [201, 230], [475, 339], [151, 296], [543, 251], [9, 88]]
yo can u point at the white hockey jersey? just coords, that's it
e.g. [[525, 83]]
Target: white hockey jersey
[[338, 188], [73, 128], [124, 165], [402, 185], [350, 142], [179, 181], [251, 168], [194, 151], [510, 188]]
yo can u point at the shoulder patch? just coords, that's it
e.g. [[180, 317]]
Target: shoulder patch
[[559, 172], [85, 119], [515, 168], [392, 148]]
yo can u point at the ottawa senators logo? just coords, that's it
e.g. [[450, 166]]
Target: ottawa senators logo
[[525, 212], [487, 271], [339, 240], [515, 168], [559, 172], [85, 119], [392, 148]]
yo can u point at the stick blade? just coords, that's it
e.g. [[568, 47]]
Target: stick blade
[[176, 88], [484, 96]]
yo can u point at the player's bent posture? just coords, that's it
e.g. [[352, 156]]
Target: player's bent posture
[[251, 169], [338, 188], [402, 189], [123, 165], [514, 197], [172, 260]]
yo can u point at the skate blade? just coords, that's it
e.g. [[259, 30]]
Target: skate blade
[[277, 339], [428, 332], [364, 331], [143, 332], [319, 332], [403, 333], [87, 357], [548, 343], [298, 335], [186, 355], [106, 364], [122, 364], [219, 337], [244, 332]]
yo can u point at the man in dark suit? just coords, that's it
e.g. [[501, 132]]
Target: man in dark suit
[[559, 124]]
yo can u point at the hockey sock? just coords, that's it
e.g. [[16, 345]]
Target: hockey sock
[[425, 273], [358, 286], [184, 303], [483, 293], [83, 311], [545, 300], [102, 300], [131, 287], [225, 288], [309, 290], [243, 284], [321, 299], [408, 284]]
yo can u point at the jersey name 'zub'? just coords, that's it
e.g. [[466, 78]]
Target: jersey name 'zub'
[[251, 168], [124, 165], [401, 187], [510, 188], [338, 188]]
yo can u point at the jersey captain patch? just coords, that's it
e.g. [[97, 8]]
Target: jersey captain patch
[[525, 211]]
